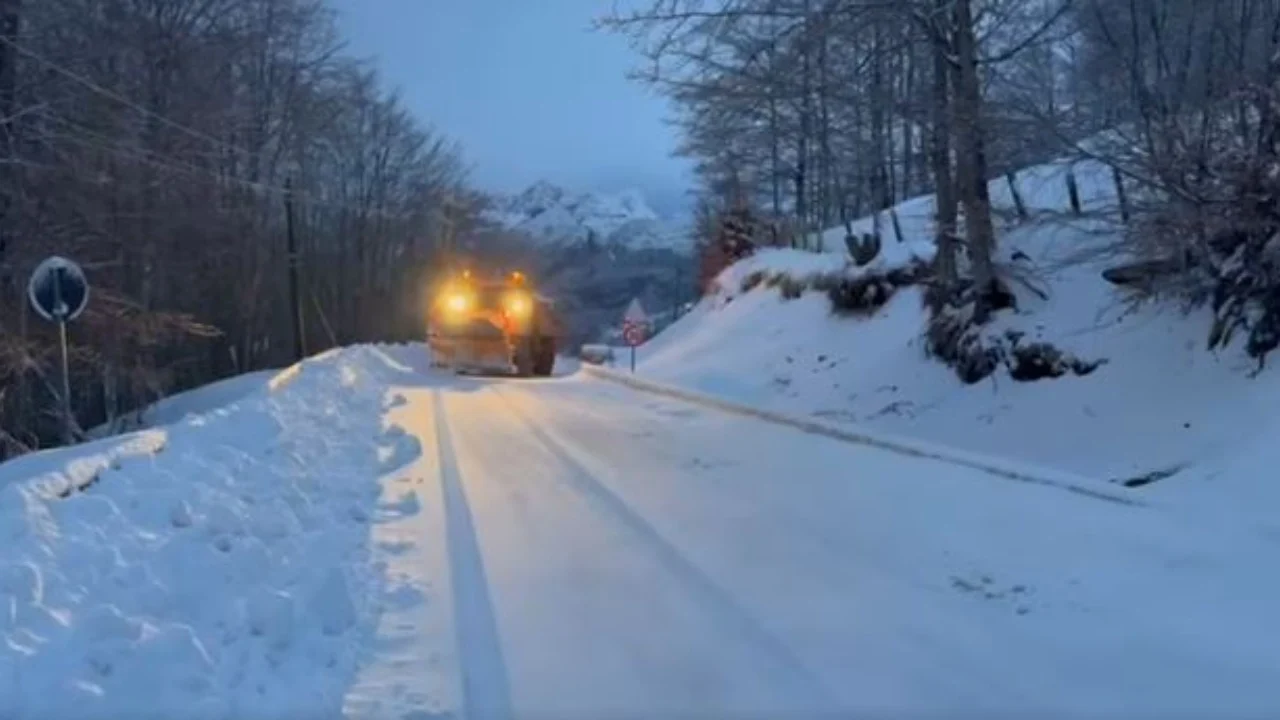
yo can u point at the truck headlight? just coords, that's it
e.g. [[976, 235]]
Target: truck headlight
[[456, 304], [518, 305]]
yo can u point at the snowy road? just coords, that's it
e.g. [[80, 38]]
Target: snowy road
[[361, 536], [575, 549]]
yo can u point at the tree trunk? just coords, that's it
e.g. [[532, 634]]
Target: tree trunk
[[972, 160], [802, 139], [908, 134], [825, 161], [775, 170], [879, 100], [945, 267]]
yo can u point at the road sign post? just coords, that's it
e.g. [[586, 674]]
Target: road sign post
[[632, 335], [635, 324], [58, 291]]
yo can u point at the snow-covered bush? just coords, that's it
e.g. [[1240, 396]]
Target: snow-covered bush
[[792, 288], [753, 280], [1205, 216], [954, 339], [973, 350], [850, 291], [867, 292], [1207, 232]]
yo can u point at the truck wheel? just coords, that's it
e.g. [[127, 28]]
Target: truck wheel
[[525, 361], [544, 358]]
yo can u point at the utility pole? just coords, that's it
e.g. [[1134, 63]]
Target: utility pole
[[448, 236], [295, 303]]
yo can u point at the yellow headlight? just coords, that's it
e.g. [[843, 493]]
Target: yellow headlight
[[457, 302], [518, 304]]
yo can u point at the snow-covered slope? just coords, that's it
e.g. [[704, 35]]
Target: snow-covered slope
[[1160, 402], [554, 215], [222, 566]]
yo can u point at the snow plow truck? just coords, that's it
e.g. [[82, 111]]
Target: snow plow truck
[[493, 326]]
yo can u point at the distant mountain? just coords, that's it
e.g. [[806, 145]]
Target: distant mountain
[[552, 215]]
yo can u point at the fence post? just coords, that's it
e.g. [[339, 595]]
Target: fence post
[[1121, 197], [1021, 207], [1073, 190]]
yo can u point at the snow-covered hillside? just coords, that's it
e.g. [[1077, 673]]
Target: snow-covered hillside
[[1158, 407], [554, 215]]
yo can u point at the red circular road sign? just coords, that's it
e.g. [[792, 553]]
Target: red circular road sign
[[633, 333]]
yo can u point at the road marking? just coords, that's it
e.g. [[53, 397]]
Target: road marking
[[486, 689]]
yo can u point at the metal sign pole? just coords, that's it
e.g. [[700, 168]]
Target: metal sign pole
[[59, 292], [60, 311], [68, 434], [633, 359]]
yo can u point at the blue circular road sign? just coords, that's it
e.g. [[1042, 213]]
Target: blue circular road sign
[[58, 290]]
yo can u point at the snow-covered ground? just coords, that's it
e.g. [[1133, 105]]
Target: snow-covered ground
[[197, 401], [221, 566], [362, 537], [205, 399], [1160, 402]]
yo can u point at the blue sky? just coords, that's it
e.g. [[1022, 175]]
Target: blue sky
[[528, 88]]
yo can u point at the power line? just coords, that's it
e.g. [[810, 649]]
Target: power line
[[104, 143], [104, 92]]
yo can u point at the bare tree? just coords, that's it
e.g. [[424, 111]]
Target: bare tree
[[154, 141], [1190, 94], [825, 93]]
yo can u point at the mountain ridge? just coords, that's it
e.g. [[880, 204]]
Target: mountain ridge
[[554, 215]]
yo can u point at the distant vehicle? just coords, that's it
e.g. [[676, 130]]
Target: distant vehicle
[[495, 325], [596, 354]]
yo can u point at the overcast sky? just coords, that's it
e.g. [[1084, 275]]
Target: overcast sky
[[527, 86]]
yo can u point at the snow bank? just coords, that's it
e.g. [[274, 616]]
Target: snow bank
[[61, 471], [217, 568], [197, 401], [207, 398], [1159, 405]]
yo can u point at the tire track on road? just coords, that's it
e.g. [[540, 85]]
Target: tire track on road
[[486, 688], [721, 605]]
